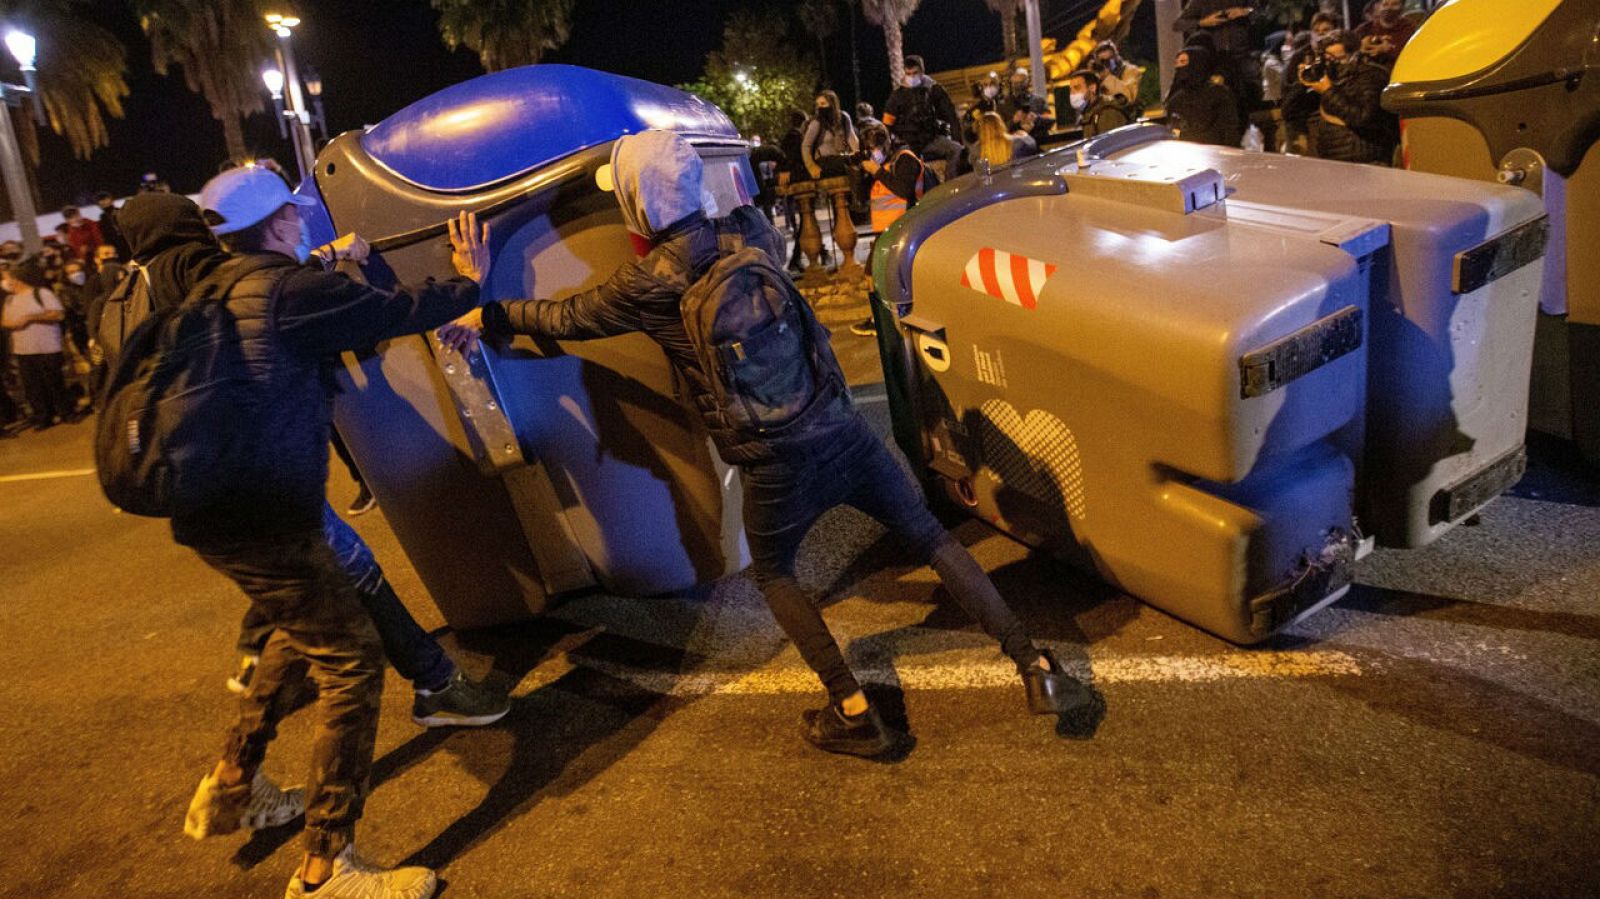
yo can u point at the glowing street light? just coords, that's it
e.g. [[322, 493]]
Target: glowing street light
[[273, 79], [294, 103], [24, 47]]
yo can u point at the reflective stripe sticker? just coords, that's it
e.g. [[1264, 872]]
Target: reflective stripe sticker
[[1007, 276]]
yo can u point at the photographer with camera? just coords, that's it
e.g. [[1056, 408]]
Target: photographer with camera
[[1118, 77], [1353, 126]]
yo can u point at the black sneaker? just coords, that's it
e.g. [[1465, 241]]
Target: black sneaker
[[363, 503], [831, 730], [462, 703], [1052, 692], [868, 328]]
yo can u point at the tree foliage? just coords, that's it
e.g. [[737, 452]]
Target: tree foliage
[[221, 45], [505, 33], [820, 19], [890, 15], [758, 76], [82, 70]]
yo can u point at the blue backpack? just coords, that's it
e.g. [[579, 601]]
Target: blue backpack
[[767, 357]]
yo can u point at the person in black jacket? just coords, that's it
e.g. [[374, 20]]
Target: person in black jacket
[[922, 115], [824, 457], [263, 528], [1199, 106], [1354, 126]]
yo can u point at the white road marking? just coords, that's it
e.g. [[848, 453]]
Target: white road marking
[[977, 670], [46, 475]]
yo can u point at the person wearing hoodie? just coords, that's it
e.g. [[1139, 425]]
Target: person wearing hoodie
[[828, 456], [922, 116], [1200, 107], [264, 529]]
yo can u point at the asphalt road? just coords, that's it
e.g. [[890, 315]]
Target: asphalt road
[[1435, 734]]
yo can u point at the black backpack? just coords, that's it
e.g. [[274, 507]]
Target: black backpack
[[177, 420], [128, 305], [767, 357]]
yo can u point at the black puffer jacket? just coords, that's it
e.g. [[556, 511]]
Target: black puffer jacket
[[1364, 132], [289, 322]]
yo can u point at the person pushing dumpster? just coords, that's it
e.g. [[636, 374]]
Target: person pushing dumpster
[[762, 374]]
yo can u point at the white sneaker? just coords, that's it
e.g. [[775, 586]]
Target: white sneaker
[[217, 810], [354, 878]]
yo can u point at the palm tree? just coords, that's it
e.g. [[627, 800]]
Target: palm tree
[[1007, 11], [890, 15], [505, 33], [221, 46], [820, 19], [82, 73]]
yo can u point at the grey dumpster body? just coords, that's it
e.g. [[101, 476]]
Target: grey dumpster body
[[541, 468], [1211, 375]]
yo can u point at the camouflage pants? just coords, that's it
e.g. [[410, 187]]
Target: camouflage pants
[[320, 629]]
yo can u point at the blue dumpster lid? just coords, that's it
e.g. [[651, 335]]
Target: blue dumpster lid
[[505, 124]]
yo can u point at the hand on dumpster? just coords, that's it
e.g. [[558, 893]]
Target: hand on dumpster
[[351, 246], [470, 246], [462, 334]]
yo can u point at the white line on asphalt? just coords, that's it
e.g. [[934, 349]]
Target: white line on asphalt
[[987, 673], [46, 475]]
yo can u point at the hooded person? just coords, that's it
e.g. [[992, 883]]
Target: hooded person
[[921, 114], [1199, 107], [823, 456]]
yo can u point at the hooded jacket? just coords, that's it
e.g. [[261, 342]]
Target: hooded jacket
[[1202, 110], [279, 323], [657, 178]]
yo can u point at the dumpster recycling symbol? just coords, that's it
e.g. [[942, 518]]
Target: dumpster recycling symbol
[[1007, 276]]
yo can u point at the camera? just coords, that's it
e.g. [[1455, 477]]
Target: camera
[[1315, 70]]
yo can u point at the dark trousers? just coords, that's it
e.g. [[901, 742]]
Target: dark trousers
[[784, 498], [413, 652], [44, 386], [320, 629]]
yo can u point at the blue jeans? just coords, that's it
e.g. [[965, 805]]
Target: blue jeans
[[413, 652], [785, 497]]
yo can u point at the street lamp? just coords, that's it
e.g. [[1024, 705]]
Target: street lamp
[[273, 79], [314, 87], [23, 46], [294, 103]]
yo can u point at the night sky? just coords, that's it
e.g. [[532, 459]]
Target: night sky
[[376, 56]]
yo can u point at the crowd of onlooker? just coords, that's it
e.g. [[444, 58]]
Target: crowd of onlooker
[[1314, 91], [49, 362]]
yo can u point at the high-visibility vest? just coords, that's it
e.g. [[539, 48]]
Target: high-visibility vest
[[888, 205]]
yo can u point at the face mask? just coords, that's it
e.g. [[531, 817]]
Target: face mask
[[990, 91], [1079, 101], [911, 80], [77, 277], [302, 246], [877, 157]]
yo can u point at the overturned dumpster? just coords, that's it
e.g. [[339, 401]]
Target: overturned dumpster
[[1214, 377], [542, 468]]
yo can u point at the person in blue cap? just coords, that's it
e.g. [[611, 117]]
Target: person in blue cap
[[286, 320], [822, 455]]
